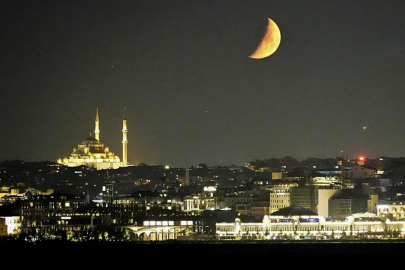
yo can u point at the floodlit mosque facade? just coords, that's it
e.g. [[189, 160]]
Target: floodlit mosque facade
[[94, 154], [299, 223]]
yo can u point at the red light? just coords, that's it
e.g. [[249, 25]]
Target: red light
[[361, 158]]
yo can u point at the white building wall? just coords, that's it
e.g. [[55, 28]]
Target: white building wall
[[323, 200], [12, 223]]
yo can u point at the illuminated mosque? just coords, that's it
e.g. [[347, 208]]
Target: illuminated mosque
[[93, 153]]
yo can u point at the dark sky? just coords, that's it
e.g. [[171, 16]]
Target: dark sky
[[181, 68]]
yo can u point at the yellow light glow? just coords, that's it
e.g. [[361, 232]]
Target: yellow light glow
[[270, 41]]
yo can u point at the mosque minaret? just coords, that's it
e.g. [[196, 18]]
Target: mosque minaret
[[124, 141], [97, 127], [92, 153]]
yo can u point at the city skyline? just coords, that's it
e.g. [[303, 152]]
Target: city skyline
[[192, 94]]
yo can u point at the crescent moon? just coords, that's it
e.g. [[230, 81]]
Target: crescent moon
[[270, 41]]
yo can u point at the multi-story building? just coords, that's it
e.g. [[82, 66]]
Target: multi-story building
[[198, 204], [228, 202], [393, 210], [358, 172], [211, 217], [300, 223], [372, 203], [243, 209], [125, 210], [108, 192], [82, 222], [324, 194], [346, 204], [13, 224], [3, 227], [305, 196], [35, 209], [279, 198], [280, 194], [258, 209]]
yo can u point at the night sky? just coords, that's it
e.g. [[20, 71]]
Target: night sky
[[192, 94]]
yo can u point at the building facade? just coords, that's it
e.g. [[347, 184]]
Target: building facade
[[324, 194], [340, 208], [291, 224], [258, 209], [198, 204], [34, 210], [359, 172], [305, 196], [3, 227], [127, 210], [393, 210], [279, 198], [13, 224]]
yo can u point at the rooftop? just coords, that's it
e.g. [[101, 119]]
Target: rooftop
[[294, 211]]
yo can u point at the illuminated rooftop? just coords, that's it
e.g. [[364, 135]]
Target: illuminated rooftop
[[294, 211]]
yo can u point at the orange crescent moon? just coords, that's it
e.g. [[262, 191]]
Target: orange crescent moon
[[269, 43]]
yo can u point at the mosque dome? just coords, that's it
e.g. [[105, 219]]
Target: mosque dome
[[90, 140]]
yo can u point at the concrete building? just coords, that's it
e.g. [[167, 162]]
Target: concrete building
[[108, 192], [279, 198], [125, 210], [243, 209], [35, 209], [228, 202], [81, 222], [305, 196], [3, 227], [13, 224], [324, 194], [258, 209], [277, 175], [393, 210], [372, 203], [359, 172], [346, 204], [198, 204], [280, 194]]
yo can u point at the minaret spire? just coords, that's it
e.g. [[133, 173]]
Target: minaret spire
[[97, 127], [187, 176], [124, 140]]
